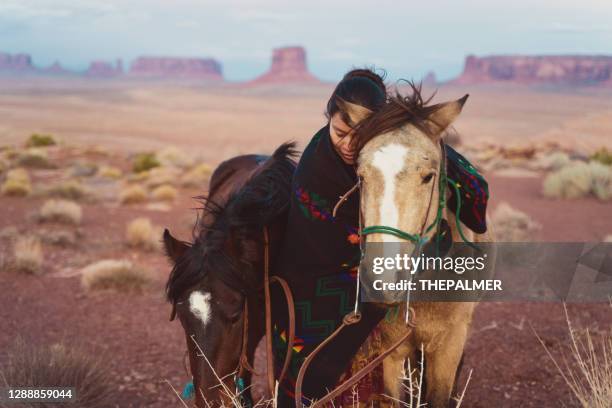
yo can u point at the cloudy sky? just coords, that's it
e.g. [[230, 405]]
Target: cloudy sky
[[407, 38]]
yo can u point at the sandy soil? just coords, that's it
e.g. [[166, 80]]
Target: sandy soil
[[224, 121], [510, 368]]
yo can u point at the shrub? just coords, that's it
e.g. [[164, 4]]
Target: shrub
[[164, 193], [197, 176], [19, 188], [120, 275], [141, 233], [40, 140], [19, 174], [109, 172], [590, 375], [133, 194], [61, 238], [161, 175], [512, 225], [63, 211], [173, 156], [145, 161], [69, 189], [34, 157], [58, 365], [603, 156], [578, 180], [28, 255], [17, 183], [83, 169]]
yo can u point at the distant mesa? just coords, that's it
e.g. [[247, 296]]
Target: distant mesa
[[288, 66], [56, 69], [104, 69], [177, 68], [554, 69], [16, 63], [430, 80]]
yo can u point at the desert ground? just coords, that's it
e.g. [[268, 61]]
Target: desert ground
[[107, 122]]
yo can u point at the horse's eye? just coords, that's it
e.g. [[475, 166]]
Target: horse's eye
[[428, 178]]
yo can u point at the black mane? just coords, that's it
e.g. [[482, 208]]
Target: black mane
[[263, 198]]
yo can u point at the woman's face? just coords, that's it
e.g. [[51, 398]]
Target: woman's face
[[341, 135]]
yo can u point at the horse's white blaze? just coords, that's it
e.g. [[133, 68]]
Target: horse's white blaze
[[199, 305], [389, 160]]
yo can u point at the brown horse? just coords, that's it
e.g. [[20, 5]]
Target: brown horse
[[401, 164], [214, 277]]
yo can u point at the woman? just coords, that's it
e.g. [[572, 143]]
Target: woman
[[321, 252]]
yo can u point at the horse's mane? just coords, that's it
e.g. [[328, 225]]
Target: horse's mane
[[262, 199], [395, 113]]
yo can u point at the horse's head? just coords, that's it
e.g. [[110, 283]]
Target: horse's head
[[399, 164], [210, 307], [220, 275]]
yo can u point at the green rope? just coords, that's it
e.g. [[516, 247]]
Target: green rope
[[417, 238]]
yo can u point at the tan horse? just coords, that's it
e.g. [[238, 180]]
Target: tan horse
[[399, 163]]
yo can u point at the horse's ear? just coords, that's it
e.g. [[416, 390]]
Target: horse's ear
[[174, 247], [444, 114]]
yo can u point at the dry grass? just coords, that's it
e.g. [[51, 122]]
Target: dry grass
[[69, 189], [17, 183], [15, 188], [120, 275], [62, 211], [161, 175], [28, 255], [34, 157], [109, 172], [175, 157], [580, 179], [164, 193], [198, 176], [58, 237], [140, 233], [58, 365], [512, 225], [133, 194], [589, 375]]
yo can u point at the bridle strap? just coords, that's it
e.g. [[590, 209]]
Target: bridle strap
[[349, 319], [243, 363]]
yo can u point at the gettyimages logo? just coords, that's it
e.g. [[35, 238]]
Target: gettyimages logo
[[531, 271], [599, 258]]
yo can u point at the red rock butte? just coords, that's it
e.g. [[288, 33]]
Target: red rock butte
[[554, 69], [16, 63], [288, 66], [177, 68], [104, 69]]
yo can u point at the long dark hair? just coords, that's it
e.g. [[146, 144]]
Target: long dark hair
[[363, 87]]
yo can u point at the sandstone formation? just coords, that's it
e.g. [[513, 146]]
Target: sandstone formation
[[55, 69], [16, 63], [177, 68], [104, 69], [430, 79], [558, 69], [288, 66]]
